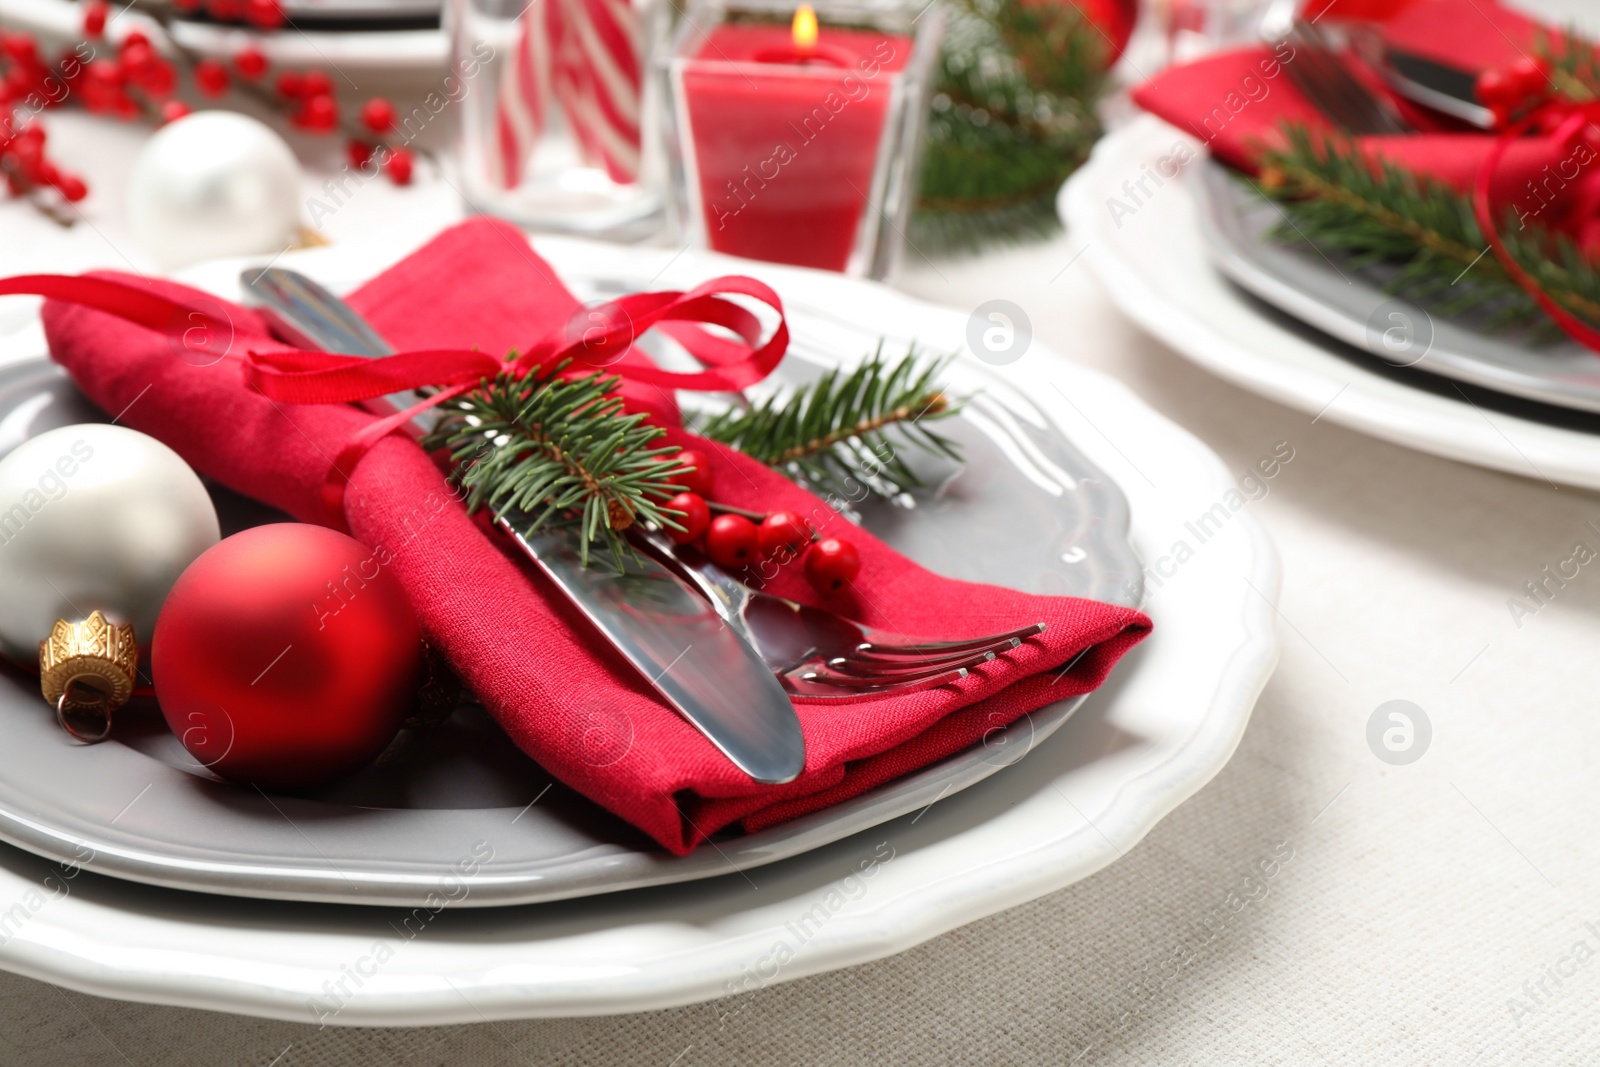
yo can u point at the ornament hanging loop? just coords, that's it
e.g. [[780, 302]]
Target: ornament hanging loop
[[87, 669], [69, 707]]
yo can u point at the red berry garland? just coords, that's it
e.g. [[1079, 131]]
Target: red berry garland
[[377, 115], [783, 535], [398, 166], [211, 77], [832, 564], [140, 78], [695, 516], [697, 477], [732, 542], [95, 13], [251, 63], [1509, 91]]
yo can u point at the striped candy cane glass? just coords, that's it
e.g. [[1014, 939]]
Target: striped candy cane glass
[[551, 132]]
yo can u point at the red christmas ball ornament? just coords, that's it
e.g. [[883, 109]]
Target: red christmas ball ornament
[[782, 536], [1113, 18], [693, 515], [832, 564], [286, 656], [732, 541]]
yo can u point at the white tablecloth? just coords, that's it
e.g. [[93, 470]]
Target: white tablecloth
[[1434, 913]]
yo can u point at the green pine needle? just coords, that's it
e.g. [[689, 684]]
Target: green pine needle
[[846, 428], [1370, 215], [1574, 64], [1013, 116], [543, 450]]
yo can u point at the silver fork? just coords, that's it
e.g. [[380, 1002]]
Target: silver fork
[[1318, 70], [820, 655]]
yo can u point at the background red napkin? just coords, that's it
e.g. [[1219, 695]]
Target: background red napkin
[[536, 664], [1238, 102]]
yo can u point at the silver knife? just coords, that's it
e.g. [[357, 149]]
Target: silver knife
[[656, 620]]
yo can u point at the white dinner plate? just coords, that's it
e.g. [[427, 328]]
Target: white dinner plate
[[1154, 263], [1239, 225], [398, 51], [1024, 510], [1163, 726]]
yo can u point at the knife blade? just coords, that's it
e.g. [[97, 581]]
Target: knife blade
[[656, 620]]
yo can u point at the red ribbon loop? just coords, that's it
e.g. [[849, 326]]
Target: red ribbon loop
[[300, 377], [1568, 119], [593, 339]]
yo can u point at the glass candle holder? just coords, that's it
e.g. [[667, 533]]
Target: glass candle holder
[[551, 134], [792, 135]]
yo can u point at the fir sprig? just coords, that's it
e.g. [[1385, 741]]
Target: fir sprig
[[1574, 64], [1340, 202], [846, 426], [540, 449], [1013, 116]]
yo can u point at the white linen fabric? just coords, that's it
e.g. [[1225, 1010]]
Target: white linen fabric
[[1312, 905]]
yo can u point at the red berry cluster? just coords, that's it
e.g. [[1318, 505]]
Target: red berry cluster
[[28, 169], [1511, 91], [28, 85], [137, 80], [736, 541], [262, 14]]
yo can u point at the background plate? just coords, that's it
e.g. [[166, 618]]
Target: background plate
[[1346, 304], [1156, 267], [1026, 510]]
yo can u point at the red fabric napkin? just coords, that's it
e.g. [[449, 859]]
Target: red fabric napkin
[[1238, 103], [559, 691]]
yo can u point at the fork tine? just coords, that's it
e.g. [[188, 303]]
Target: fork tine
[[908, 659], [1319, 73], [907, 669], [822, 676], [880, 648]]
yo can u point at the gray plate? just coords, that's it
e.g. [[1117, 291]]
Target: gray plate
[[1352, 307], [1026, 511]]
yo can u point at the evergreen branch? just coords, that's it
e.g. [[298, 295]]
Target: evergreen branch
[[837, 430], [1574, 64], [1376, 213], [1014, 114], [543, 450]]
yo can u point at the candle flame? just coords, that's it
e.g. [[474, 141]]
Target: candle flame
[[805, 28]]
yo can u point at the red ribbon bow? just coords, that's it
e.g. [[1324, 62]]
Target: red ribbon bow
[[593, 340], [1567, 119]]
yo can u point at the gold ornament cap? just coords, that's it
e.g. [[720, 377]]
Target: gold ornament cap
[[87, 671]]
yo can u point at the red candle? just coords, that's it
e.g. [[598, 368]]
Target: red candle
[[785, 130]]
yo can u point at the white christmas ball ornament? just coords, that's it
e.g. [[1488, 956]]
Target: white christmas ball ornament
[[214, 183], [94, 517]]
